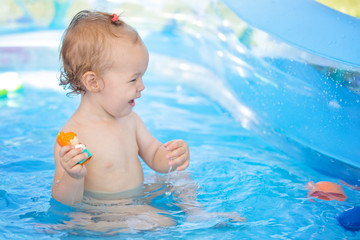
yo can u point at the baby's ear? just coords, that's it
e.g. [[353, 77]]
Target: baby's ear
[[91, 81]]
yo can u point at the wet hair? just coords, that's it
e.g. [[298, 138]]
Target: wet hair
[[85, 46]]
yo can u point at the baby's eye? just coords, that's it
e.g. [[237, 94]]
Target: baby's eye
[[133, 80]]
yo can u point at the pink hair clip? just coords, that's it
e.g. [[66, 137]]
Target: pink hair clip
[[115, 17]]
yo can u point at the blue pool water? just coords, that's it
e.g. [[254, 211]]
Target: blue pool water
[[234, 169], [233, 102]]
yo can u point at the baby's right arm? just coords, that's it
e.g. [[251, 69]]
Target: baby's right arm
[[68, 184]]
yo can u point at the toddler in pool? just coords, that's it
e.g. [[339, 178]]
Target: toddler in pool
[[104, 60]]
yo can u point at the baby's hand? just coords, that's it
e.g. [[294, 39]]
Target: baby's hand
[[178, 155], [69, 158]]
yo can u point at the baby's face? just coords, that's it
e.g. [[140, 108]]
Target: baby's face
[[123, 82]]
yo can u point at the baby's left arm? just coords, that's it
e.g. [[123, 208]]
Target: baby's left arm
[[159, 157]]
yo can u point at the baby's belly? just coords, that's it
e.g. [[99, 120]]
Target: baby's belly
[[111, 181]]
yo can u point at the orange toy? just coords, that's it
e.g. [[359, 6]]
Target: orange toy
[[69, 138], [326, 191], [64, 139]]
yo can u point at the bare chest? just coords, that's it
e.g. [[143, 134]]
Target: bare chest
[[112, 147]]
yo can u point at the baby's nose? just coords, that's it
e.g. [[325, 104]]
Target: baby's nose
[[141, 86]]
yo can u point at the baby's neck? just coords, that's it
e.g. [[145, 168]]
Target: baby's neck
[[90, 110]]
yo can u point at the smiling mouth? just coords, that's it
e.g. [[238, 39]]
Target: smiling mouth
[[132, 101]]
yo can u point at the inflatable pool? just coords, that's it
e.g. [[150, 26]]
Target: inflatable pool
[[268, 101], [315, 102]]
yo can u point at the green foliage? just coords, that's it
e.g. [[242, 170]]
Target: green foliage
[[350, 7]]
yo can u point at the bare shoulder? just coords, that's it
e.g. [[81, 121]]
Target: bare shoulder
[[135, 118], [71, 125], [139, 124], [143, 135], [133, 115]]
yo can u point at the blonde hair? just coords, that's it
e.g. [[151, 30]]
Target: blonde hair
[[85, 46]]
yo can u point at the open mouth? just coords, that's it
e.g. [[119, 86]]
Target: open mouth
[[132, 102]]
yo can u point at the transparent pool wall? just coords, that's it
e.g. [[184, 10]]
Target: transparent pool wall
[[305, 105]]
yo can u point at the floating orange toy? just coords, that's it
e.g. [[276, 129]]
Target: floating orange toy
[[326, 191], [70, 138]]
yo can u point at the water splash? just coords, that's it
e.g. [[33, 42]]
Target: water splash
[[168, 192]]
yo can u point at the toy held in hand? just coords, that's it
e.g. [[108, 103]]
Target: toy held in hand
[[69, 138]]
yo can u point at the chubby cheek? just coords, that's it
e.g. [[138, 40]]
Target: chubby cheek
[[121, 108], [116, 107], [118, 100]]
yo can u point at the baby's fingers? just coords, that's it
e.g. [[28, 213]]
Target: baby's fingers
[[174, 144], [176, 153], [184, 165], [77, 158], [65, 149], [74, 153], [77, 171], [71, 165], [71, 158], [180, 163]]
